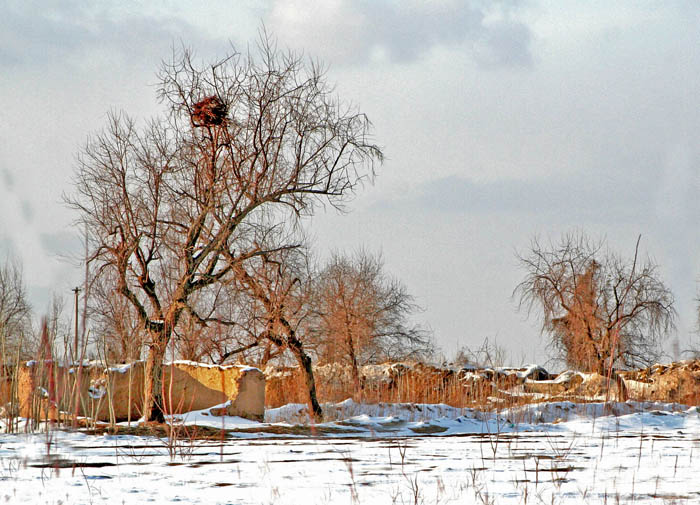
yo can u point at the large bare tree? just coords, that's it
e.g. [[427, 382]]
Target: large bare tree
[[600, 310], [247, 144]]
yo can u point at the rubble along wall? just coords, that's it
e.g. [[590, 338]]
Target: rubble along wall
[[395, 383], [415, 382], [675, 382]]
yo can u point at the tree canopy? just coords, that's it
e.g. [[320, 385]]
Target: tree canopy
[[599, 309]]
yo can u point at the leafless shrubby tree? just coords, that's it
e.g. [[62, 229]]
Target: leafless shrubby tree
[[115, 321], [176, 208], [599, 309], [487, 355], [16, 340], [279, 288], [363, 314], [693, 352], [215, 331], [58, 329]]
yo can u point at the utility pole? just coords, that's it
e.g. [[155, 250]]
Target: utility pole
[[76, 355]]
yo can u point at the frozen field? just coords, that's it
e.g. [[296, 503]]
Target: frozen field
[[552, 453]]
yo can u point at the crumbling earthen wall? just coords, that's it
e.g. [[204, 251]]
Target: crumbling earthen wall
[[116, 393], [675, 382]]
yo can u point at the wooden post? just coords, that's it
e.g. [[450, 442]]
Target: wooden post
[[76, 353]]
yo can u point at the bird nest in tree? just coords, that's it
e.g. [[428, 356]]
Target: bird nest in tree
[[210, 111]]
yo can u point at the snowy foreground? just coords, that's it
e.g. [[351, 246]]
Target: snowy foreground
[[547, 453]]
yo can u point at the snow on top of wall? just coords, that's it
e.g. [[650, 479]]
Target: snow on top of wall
[[121, 368], [125, 367], [244, 368]]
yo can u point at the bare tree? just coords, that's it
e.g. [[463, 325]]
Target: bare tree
[[364, 314], [487, 355], [599, 309], [116, 321], [58, 328], [248, 144], [693, 349], [15, 315], [279, 287]]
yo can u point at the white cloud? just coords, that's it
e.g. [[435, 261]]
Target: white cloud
[[346, 31]]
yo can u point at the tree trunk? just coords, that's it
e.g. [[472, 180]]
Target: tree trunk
[[305, 363], [153, 404], [354, 364]]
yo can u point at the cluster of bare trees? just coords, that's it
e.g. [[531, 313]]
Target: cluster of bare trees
[[192, 219], [193, 230], [22, 338]]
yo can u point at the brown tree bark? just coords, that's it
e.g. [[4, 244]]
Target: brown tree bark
[[153, 401], [307, 369]]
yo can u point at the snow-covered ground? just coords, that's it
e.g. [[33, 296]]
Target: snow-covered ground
[[546, 453]]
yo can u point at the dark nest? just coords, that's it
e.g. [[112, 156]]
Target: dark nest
[[210, 111]]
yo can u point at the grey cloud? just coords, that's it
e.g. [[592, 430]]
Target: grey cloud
[[352, 31], [7, 246], [31, 34], [8, 179], [61, 243], [578, 199], [407, 33], [27, 211], [504, 44], [35, 37]]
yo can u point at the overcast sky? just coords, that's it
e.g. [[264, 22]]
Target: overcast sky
[[500, 121]]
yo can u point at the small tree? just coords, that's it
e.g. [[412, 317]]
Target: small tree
[[599, 310], [15, 316], [487, 355], [248, 144], [279, 287], [119, 332], [363, 314]]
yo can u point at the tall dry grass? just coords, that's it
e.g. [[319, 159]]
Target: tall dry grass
[[487, 389], [417, 384]]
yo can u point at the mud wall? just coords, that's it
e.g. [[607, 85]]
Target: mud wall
[[116, 393]]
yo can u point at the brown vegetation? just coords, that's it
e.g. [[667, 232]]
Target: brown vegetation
[[601, 311], [362, 315], [486, 388]]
